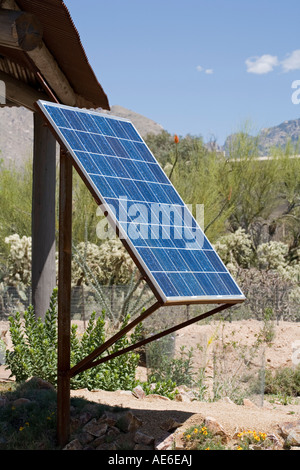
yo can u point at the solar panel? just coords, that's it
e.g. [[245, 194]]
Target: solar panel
[[162, 236]]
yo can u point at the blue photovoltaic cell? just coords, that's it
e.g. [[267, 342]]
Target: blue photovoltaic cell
[[161, 233]]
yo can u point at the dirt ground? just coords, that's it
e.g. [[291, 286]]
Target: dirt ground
[[155, 410]]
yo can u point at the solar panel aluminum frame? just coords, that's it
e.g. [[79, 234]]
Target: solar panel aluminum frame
[[147, 275]]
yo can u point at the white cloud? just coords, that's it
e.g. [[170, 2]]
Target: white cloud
[[261, 65], [292, 62], [199, 68]]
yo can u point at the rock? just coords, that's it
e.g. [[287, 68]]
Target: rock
[[129, 422], [228, 400], [112, 432], [107, 446], [155, 395], [138, 392], [125, 441], [84, 418], [109, 418], [286, 427], [74, 424], [144, 439], [277, 442], [183, 397], [153, 387], [73, 445], [166, 443], [99, 441], [95, 428], [21, 402], [142, 447], [293, 439], [248, 403], [178, 441], [170, 425], [216, 428], [42, 384], [85, 438]]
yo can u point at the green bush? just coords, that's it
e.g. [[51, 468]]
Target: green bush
[[34, 351], [284, 382]]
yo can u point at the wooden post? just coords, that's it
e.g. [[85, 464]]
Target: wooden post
[[43, 217], [64, 299]]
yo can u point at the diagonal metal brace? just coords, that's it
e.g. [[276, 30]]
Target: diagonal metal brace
[[87, 362], [149, 340]]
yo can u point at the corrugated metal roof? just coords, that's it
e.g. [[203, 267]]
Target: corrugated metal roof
[[63, 41]]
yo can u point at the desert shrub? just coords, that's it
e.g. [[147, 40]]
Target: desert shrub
[[284, 382], [164, 367]]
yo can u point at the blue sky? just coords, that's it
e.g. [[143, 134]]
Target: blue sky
[[200, 67]]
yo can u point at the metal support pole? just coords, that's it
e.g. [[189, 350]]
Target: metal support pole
[[43, 217], [64, 299]]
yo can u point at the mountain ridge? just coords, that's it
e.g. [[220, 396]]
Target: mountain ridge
[[275, 136]]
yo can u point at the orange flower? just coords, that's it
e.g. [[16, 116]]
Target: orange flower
[[176, 139]]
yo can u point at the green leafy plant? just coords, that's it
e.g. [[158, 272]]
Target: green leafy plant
[[34, 345], [34, 351], [163, 388]]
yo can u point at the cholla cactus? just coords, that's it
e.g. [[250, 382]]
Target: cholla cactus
[[108, 263], [292, 274], [272, 255], [295, 295], [235, 249], [86, 257], [19, 260], [116, 264]]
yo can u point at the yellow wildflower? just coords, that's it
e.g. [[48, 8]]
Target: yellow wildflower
[[21, 428]]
